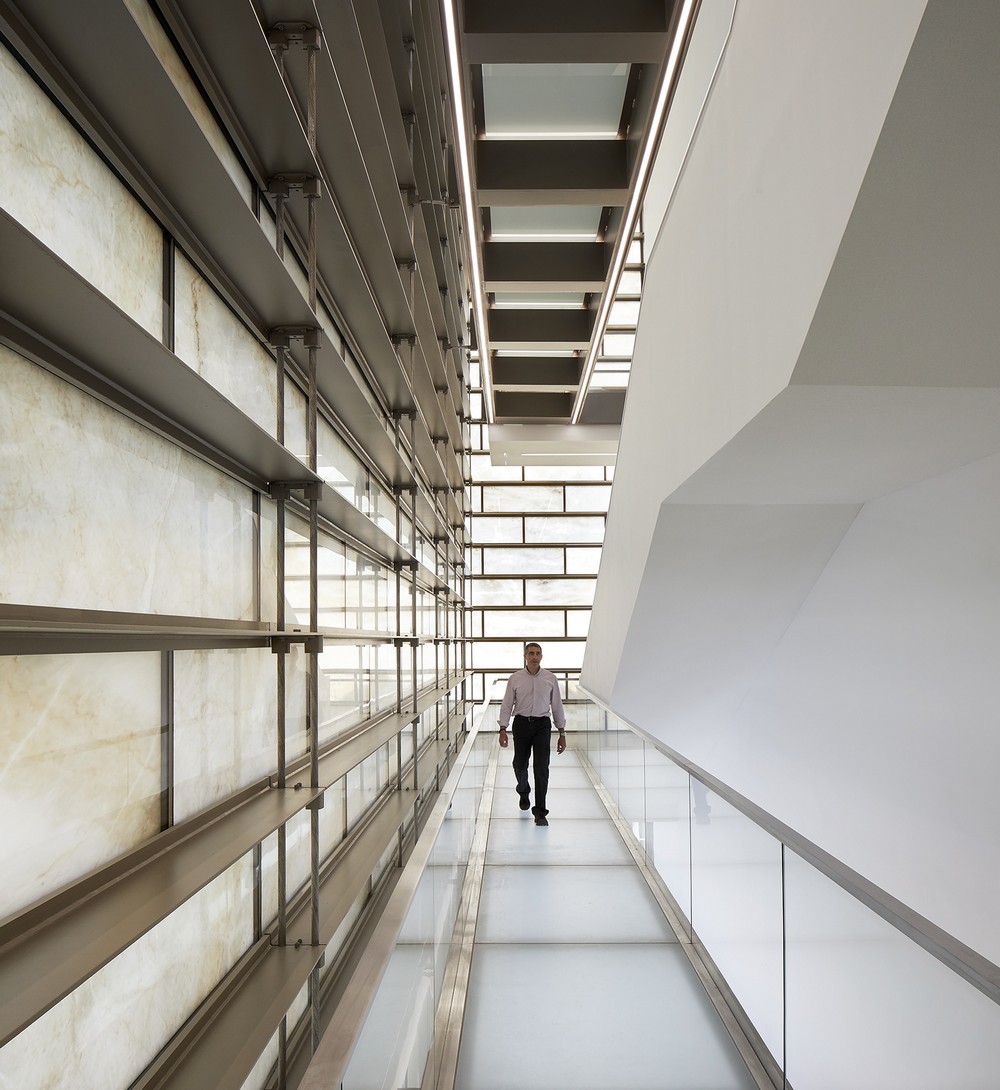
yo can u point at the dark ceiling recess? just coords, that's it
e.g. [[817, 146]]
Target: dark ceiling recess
[[561, 93]]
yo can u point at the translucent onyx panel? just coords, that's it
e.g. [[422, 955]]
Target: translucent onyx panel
[[55, 186], [383, 509], [564, 473], [583, 561], [570, 592], [476, 406], [577, 622], [298, 833], [187, 546], [736, 896], [634, 256], [405, 608], [80, 763], [365, 782], [103, 1034], [344, 689], [268, 561], [339, 467], [258, 1077], [483, 469], [563, 528], [522, 497], [211, 340], [331, 819], [225, 713], [521, 561], [488, 530], [295, 420], [533, 623], [384, 677], [593, 497], [496, 592], [296, 691], [869, 1008], [428, 665]]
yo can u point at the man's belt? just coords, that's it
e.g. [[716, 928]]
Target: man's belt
[[533, 718]]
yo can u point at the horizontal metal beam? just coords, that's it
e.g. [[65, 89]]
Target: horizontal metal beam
[[537, 372], [552, 266], [533, 408], [568, 330], [527, 172], [574, 31]]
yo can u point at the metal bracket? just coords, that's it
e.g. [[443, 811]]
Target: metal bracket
[[313, 645], [403, 338], [282, 185], [282, 490], [283, 35], [280, 645], [281, 336], [317, 803]]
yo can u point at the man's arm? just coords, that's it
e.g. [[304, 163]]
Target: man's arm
[[558, 715], [506, 707]]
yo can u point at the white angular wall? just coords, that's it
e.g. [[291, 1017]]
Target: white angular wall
[[800, 588]]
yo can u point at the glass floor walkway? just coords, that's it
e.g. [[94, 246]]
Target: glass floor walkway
[[571, 977], [577, 979]]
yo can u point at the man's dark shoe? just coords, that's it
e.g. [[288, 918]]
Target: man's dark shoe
[[541, 819], [539, 810], [525, 802]]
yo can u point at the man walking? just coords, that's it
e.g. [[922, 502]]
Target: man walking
[[531, 692]]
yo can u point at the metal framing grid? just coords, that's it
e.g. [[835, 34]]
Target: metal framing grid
[[418, 388]]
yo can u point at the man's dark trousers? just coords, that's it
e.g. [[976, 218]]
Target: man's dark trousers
[[532, 738]]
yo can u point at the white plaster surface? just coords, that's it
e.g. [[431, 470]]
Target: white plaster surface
[[742, 258], [79, 767], [211, 340], [55, 185], [185, 547]]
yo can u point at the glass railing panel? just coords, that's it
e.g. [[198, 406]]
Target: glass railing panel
[[736, 907], [869, 1007], [630, 794], [397, 1038], [666, 831]]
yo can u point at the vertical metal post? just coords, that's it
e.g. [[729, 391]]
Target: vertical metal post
[[166, 739], [279, 224], [255, 501], [312, 700]]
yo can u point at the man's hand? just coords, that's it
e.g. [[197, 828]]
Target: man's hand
[[560, 745], [503, 737]]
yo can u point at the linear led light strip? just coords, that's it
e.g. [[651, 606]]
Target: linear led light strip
[[451, 35], [670, 75]]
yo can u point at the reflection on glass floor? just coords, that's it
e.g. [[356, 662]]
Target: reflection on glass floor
[[577, 981]]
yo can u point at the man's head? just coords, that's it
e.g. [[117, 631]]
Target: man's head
[[532, 657]]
